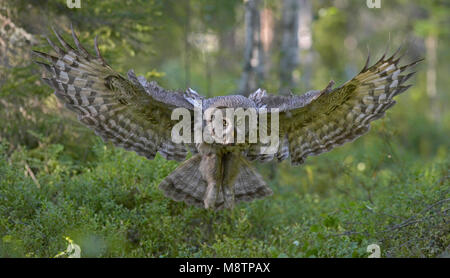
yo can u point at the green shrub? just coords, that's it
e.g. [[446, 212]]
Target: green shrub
[[111, 207]]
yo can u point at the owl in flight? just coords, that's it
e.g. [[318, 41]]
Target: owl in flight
[[136, 114]]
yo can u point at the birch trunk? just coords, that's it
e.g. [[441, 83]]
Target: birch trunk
[[187, 23], [253, 72], [431, 44], [289, 45], [305, 44]]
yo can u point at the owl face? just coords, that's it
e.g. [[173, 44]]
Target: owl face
[[220, 125], [223, 125]]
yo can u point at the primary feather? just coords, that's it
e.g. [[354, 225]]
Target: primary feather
[[130, 113], [319, 121]]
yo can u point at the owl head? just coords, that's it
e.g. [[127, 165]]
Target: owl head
[[228, 119], [220, 125]]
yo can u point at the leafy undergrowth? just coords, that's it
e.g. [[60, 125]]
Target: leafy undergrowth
[[111, 207], [64, 193]]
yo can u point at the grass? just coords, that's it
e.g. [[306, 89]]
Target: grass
[[333, 206]]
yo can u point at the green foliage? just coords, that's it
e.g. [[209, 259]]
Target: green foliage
[[113, 208]]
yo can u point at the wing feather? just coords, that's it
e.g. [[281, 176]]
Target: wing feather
[[131, 113], [319, 121], [345, 113]]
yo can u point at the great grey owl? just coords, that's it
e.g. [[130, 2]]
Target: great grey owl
[[136, 114]]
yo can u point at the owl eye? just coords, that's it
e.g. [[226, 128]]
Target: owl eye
[[224, 123]]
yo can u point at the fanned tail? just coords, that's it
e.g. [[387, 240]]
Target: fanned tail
[[250, 185], [186, 184]]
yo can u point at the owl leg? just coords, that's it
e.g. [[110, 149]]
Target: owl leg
[[210, 196], [220, 172], [231, 163], [210, 167]]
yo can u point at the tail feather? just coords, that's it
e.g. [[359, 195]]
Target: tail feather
[[186, 184], [250, 185]]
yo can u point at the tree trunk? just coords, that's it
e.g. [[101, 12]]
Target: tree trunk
[[431, 44], [305, 44], [289, 45], [187, 72], [253, 72]]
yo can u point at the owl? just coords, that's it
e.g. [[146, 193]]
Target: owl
[[136, 115]]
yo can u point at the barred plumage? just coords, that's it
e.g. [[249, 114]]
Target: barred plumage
[[318, 121], [131, 114], [136, 114]]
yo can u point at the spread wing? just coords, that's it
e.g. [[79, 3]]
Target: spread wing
[[318, 121], [130, 112]]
